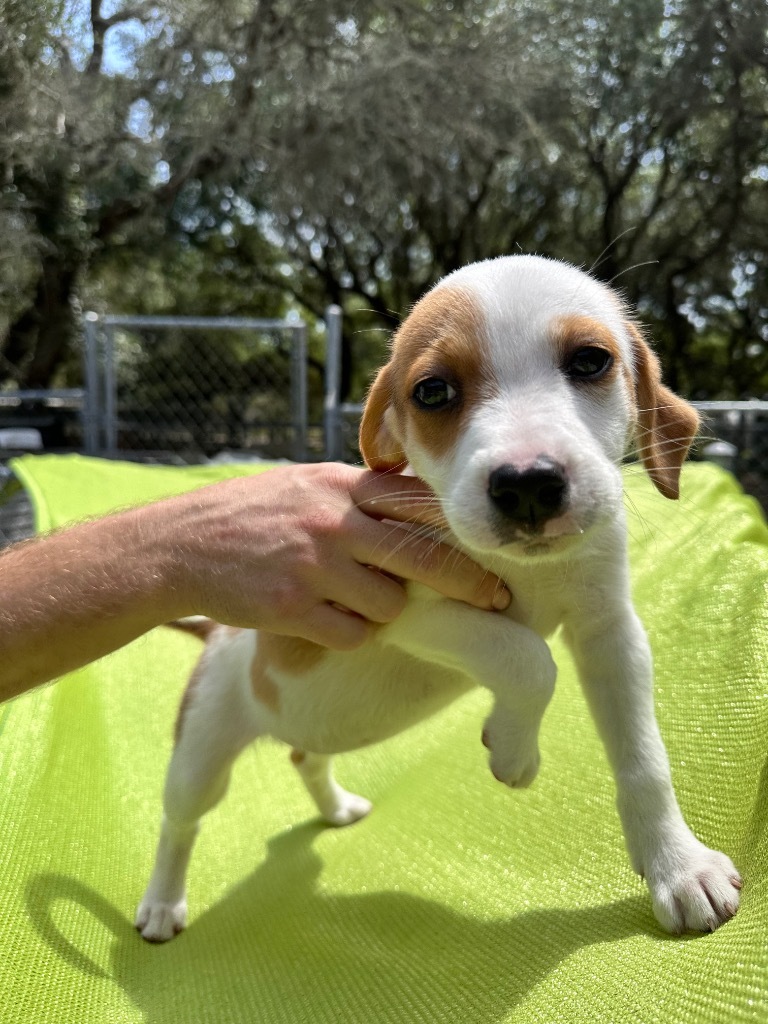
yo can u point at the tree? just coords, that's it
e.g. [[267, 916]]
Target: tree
[[629, 137], [673, 150], [96, 156], [354, 153]]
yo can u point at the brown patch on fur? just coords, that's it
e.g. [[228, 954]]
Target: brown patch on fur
[[379, 445], [666, 423], [202, 628], [443, 337], [298, 757], [577, 331], [286, 654]]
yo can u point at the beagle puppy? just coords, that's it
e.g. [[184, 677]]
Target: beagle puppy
[[514, 389]]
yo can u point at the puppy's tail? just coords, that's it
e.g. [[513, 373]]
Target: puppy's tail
[[197, 625]]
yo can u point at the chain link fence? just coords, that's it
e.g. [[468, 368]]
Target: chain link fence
[[178, 390], [735, 435], [191, 389]]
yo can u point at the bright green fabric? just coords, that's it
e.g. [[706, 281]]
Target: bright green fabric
[[456, 900]]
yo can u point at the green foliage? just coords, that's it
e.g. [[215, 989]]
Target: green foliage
[[245, 157]]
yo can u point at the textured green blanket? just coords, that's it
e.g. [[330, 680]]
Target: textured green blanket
[[456, 900]]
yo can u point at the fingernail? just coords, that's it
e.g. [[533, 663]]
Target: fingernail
[[502, 599]]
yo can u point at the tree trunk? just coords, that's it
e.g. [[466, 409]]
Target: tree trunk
[[680, 333], [39, 340]]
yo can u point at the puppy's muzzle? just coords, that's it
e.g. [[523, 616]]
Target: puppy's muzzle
[[531, 496]]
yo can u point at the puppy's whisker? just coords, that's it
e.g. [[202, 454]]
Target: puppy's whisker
[[407, 497], [640, 518], [635, 266], [659, 408], [661, 450], [678, 450], [393, 314], [608, 247], [406, 535], [655, 443]]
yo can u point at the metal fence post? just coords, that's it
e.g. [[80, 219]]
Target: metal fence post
[[110, 391], [299, 392], [331, 404], [91, 399]]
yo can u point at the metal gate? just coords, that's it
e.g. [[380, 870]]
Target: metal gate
[[193, 387]]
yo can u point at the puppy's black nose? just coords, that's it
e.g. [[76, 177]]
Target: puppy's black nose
[[530, 496]]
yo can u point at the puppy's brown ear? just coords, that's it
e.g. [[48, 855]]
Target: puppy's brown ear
[[666, 424], [378, 445]]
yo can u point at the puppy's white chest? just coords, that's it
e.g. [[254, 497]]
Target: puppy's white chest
[[541, 608], [357, 698]]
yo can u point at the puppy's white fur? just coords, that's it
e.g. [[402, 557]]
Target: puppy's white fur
[[502, 333]]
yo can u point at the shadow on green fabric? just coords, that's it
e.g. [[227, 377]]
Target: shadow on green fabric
[[394, 966]]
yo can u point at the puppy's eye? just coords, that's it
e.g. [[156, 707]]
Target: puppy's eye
[[588, 363], [433, 393]]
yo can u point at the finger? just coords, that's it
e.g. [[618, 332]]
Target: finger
[[366, 592], [392, 496], [334, 628], [437, 565]]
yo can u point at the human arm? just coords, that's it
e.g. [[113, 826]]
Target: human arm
[[281, 551]]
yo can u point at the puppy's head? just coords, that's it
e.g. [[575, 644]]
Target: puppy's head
[[513, 389]]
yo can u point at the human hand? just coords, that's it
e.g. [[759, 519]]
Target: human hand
[[297, 550], [289, 550]]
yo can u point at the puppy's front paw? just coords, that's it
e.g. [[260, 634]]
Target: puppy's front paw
[[693, 888], [514, 756], [159, 921]]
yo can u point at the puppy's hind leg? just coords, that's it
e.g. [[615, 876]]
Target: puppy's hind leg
[[211, 737], [336, 805]]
